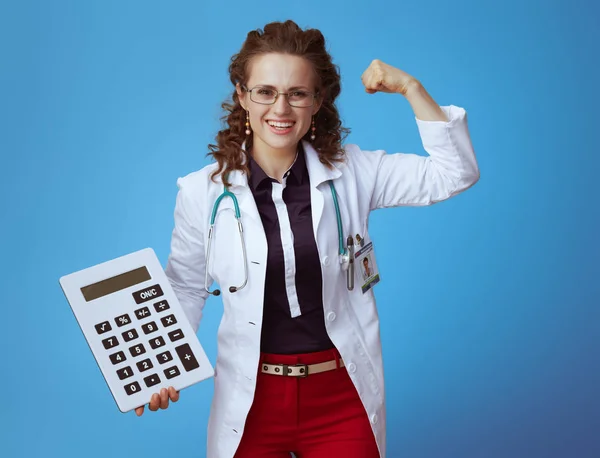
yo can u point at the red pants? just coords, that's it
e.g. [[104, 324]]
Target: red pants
[[319, 416]]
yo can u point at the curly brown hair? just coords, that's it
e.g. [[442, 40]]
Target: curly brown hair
[[286, 38]]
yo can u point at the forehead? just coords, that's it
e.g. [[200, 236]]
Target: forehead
[[281, 71]]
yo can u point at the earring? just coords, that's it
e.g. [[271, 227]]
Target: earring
[[248, 131], [313, 136]]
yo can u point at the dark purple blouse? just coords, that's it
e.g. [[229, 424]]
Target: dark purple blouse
[[293, 317]]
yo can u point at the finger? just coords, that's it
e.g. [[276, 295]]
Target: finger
[[374, 82], [154, 402], [139, 411], [173, 394], [164, 398]]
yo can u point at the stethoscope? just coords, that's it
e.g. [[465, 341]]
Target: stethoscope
[[346, 254]]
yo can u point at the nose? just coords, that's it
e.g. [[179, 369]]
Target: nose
[[281, 105]]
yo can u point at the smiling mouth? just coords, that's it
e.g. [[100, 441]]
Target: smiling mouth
[[281, 125]]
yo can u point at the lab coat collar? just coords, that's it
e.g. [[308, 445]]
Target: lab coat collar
[[317, 171]]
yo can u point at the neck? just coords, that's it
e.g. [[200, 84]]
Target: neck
[[274, 162]]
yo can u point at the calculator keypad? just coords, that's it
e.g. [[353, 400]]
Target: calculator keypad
[[132, 388], [152, 380], [164, 357], [137, 350], [187, 360], [172, 372], [122, 320], [187, 357], [117, 358], [101, 328], [130, 335], [157, 342], [142, 313], [144, 365], [147, 294], [110, 342], [176, 335], [161, 306], [125, 373], [149, 327], [168, 320]]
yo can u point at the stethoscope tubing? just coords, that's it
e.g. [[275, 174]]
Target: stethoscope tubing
[[346, 255]]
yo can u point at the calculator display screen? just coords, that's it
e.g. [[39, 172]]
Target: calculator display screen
[[116, 283]]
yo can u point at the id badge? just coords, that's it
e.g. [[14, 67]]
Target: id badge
[[366, 267]]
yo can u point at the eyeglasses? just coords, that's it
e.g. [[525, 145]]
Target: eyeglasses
[[268, 96]]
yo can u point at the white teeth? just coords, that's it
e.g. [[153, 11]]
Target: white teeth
[[280, 124]]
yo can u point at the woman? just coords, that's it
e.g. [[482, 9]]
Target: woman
[[299, 366]]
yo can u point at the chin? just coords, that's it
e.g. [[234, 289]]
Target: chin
[[282, 142]]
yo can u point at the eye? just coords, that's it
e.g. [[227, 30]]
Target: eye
[[265, 91], [299, 94]]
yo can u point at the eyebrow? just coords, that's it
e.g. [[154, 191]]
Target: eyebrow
[[268, 86]]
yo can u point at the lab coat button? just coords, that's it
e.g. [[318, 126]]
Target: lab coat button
[[331, 316], [351, 368], [326, 260], [374, 419]]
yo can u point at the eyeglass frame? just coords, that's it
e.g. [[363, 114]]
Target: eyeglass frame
[[277, 94]]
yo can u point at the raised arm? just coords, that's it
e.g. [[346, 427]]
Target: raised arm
[[411, 179]]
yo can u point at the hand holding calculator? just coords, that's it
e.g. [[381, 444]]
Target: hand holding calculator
[[160, 400], [137, 330]]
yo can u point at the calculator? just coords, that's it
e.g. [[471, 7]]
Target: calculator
[[136, 328]]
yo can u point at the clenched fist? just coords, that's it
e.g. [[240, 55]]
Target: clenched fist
[[381, 77]]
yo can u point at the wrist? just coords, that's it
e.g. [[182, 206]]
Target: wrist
[[412, 88]]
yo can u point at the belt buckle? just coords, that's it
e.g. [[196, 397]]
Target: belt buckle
[[303, 370]]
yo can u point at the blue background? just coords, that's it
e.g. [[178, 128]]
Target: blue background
[[489, 301]]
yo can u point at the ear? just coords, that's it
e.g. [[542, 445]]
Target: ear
[[241, 95]]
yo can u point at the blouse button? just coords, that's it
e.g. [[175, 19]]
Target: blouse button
[[326, 260], [352, 368], [331, 316], [374, 419]]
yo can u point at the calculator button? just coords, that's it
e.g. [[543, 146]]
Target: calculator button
[[142, 313], [101, 328], [168, 320], [164, 357], [132, 388], [122, 320], [176, 335], [110, 342], [144, 365], [172, 372], [137, 350], [187, 357], [117, 358], [152, 380], [161, 306], [158, 342], [124, 373], [130, 335], [149, 327], [147, 294]]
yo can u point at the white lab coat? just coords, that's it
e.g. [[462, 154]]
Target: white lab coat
[[365, 181]]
